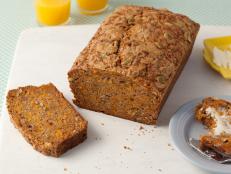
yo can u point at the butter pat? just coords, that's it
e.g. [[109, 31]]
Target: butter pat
[[222, 58], [222, 119]]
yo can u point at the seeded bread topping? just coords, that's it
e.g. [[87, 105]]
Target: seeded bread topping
[[133, 59], [140, 42]]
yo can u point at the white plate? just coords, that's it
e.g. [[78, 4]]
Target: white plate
[[46, 54], [184, 126]]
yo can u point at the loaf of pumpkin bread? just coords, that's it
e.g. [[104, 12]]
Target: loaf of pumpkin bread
[[46, 119], [132, 62]]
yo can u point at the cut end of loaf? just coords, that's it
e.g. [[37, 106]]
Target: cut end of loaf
[[114, 95]]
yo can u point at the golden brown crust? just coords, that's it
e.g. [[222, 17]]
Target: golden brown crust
[[144, 45], [46, 119], [140, 42]]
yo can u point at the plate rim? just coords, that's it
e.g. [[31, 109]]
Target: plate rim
[[172, 127]]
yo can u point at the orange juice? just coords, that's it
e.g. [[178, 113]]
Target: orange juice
[[92, 6], [52, 12]]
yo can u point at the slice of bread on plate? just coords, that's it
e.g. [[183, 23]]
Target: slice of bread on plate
[[215, 114], [221, 143]]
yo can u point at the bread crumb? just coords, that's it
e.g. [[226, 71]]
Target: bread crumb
[[65, 169], [141, 127], [169, 145], [127, 148], [97, 167], [98, 138], [102, 124]]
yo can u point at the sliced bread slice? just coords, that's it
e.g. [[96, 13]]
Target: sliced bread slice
[[46, 119], [215, 114]]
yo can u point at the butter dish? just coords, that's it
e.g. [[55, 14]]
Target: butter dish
[[217, 53]]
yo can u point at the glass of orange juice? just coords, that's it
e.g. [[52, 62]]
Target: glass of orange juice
[[91, 7], [52, 12]]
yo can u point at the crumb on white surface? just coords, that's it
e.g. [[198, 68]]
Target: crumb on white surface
[[127, 148]]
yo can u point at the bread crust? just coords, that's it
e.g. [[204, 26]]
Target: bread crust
[[140, 44], [46, 119]]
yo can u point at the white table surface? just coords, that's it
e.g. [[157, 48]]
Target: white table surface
[[45, 55]]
